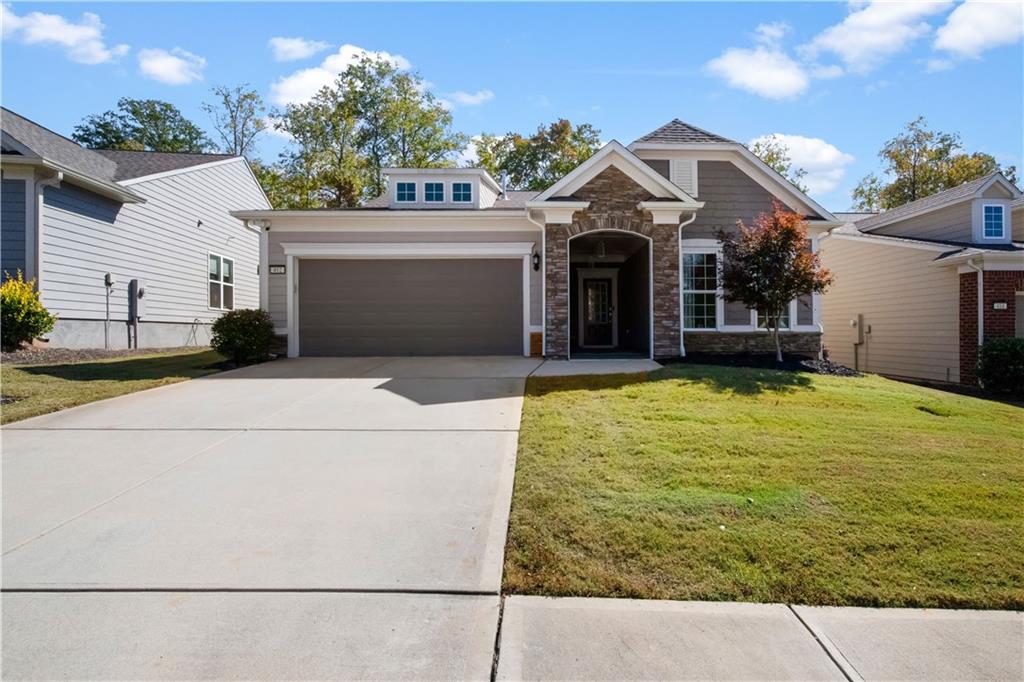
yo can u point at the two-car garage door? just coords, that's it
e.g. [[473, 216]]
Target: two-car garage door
[[471, 306]]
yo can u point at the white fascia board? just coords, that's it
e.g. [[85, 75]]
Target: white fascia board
[[766, 176], [392, 221], [629, 163], [408, 250], [989, 260], [667, 212], [895, 241], [179, 171], [108, 189]]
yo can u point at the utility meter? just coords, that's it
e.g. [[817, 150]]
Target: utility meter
[[109, 280], [136, 299]]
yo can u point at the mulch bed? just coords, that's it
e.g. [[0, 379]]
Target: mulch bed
[[59, 356]]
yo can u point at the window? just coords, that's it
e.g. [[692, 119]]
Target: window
[[433, 191], [222, 283], [700, 290], [406, 191], [993, 227], [762, 319], [462, 192]]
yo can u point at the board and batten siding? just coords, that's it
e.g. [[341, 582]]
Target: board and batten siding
[[12, 221], [911, 305], [159, 241], [277, 284]]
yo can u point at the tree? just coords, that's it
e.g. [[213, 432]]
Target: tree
[[237, 115], [769, 264], [920, 162], [774, 152], [540, 160], [372, 117], [141, 124]]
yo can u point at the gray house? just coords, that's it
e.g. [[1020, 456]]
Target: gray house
[[159, 222]]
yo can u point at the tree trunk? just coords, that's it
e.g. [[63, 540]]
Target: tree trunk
[[778, 345]]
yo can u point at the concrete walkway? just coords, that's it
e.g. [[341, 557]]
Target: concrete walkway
[[345, 519]]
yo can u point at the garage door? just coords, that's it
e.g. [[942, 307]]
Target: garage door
[[411, 307]]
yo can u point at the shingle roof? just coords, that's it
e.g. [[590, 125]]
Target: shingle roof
[[131, 164], [932, 202], [49, 145], [679, 132]]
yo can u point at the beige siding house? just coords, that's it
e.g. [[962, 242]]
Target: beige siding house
[[906, 302]]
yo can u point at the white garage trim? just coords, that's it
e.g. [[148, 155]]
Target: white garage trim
[[296, 251]]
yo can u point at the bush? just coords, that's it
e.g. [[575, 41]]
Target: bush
[[244, 336], [1001, 366], [22, 315]]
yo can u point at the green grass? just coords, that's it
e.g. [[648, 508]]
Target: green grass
[[38, 389], [715, 483]]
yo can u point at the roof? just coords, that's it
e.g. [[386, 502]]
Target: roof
[[680, 132], [135, 164], [46, 144], [511, 200], [947, 248], [853, 216], [933, 202]]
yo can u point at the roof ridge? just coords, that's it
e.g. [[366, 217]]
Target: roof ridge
[[935, 198]]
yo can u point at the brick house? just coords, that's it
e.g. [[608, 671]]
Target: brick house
[[617, 258], [907, 281]]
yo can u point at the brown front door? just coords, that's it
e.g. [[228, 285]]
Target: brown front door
[[598, 312]]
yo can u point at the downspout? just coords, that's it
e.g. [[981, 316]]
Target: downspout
[[543, 284], [981, 299], [679, 274], [40, 186]]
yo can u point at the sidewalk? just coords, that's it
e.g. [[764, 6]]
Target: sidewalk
[[621, 639]]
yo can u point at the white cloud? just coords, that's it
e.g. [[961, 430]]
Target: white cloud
[[290, 49], [935, 65], [467, 158], [771, 33], [177, 67], [826, 72], [764, 71], [82, 42], [470, 99], [974, 27], [824, 163], [300, 86], [872, 33]]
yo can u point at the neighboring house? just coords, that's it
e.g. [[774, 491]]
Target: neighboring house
[[71, 215], [905, 299], [618, 257]]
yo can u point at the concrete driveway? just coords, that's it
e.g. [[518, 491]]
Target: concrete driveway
[[359, 504]]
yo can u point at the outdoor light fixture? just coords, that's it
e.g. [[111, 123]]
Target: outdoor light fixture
[[536, 261], [600, 249]]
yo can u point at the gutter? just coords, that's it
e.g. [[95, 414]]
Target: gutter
[[980, 269], [679, 245], [108, 189]]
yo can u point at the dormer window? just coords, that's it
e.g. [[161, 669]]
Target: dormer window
[[993, 225], [433, 192], [405, 192], [462, 192]]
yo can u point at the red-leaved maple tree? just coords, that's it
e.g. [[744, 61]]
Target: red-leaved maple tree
[[769, 264]]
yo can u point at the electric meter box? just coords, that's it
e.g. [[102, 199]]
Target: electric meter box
[[136, 299]]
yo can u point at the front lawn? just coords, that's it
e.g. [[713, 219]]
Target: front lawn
[[31, 390], [716, 483]]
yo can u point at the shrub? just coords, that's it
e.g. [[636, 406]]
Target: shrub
[[22, 315], [244, 336], [1001, 366]]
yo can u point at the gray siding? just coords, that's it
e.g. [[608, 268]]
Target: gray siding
[[729, 195], [952, 223], [160, 242], [12, 220], [278, 290]]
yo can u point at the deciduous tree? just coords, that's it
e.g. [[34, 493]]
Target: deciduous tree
[[538, 161], [141, 124], [238, 118], [774, 152]]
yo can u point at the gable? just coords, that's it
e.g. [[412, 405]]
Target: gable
[[612, 189]]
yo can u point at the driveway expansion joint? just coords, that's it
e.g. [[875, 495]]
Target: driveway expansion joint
[[834, 655]]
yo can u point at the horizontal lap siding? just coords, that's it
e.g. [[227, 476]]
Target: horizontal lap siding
[[86, 235], [729, 195], [12, 219], [952, 224], [910, 304]]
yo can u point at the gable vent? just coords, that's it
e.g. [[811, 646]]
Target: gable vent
[[683, 173]]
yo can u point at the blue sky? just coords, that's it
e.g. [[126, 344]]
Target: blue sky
[[838, 79]]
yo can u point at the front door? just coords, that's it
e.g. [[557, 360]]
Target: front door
[[598, 294]]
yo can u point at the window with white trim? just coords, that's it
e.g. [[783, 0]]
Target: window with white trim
[[405, 192], [762, 319], [222, 282], [433, 192], [700, 290], [462, 192], [993, 221]]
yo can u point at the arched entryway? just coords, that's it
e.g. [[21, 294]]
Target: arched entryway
[[610, 294]]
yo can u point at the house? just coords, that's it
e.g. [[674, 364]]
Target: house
[[72, 215], [905, 300], [619, 257]]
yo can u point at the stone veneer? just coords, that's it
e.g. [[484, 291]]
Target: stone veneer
[[614, 197], [1001, 286], [804, 344]]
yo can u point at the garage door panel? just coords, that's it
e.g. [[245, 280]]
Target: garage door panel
[[410, 307]]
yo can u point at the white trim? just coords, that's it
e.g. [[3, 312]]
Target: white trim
[[452, 190], [568, 288], [265, 270], [598, 273], [1002, 222], [526, 303], [434, 201], [664, 212], [632, 166], [889, 241], [178, 171], [292, 311], [397, 220], [415, 192], [558, 212], [222, 258]]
